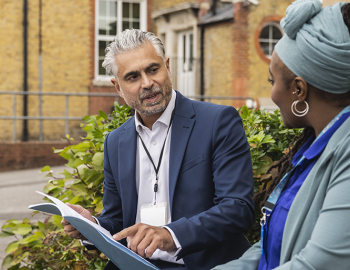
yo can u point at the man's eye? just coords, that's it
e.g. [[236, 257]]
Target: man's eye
[[132, 78], [270, 81], [153, 70]]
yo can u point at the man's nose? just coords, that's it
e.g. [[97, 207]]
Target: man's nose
[[146, 81]]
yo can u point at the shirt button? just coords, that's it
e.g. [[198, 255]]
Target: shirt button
[[154, 142]]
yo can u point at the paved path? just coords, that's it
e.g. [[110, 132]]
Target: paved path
[[17, 191]]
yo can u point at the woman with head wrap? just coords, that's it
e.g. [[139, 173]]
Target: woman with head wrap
[[306, 215]]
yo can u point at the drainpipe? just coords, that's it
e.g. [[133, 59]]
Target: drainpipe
[[213, 8], [40, 72], [202, 62], [25, 69]]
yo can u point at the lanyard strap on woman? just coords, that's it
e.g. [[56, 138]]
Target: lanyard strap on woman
[[273, 198]]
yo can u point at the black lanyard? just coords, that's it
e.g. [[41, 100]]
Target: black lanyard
[[156, 169]]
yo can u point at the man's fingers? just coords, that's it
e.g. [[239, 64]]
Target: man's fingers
[[131, 231], [82, 211], [64, 222], [76, 208], [141, 246], [69, 228], [151, 249]]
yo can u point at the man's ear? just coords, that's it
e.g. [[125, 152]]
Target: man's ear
[[167, 61], [116, 85], [300, 88]]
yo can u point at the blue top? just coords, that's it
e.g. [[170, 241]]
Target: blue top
[[276, 221]]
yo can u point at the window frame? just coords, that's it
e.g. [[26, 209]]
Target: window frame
[[143, 26], [269, 20]]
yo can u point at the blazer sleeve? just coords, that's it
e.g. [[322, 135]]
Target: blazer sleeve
[[233, 211], [249, 260], [112, 217], [329, 246]]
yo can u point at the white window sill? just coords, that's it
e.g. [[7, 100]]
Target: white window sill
[[103, 82]]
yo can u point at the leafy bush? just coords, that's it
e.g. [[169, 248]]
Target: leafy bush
[[269, 140], [44, 245]]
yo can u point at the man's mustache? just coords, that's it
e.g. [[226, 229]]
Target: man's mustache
[[152, 91]]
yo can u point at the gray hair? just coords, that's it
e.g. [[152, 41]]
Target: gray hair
[[129, 40]]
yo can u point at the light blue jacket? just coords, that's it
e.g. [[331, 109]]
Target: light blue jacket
[[317, 230]]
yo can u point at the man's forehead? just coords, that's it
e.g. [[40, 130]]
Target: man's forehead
[[137, 59]]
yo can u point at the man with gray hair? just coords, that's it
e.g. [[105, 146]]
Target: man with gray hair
[[178, 175]]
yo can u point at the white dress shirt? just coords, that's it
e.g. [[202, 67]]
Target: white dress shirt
[[145, 173]]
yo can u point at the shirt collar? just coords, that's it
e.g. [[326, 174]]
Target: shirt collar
[[164, 118], [303, 150], [316, 148]]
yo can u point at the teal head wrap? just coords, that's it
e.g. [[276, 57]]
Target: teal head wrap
[[316, 46]]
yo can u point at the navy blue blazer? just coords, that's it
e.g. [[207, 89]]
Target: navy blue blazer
[[210, 182]]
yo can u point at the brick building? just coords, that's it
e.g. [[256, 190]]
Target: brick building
[[215, 47], [65, 38], [220, 48], [60, 51]]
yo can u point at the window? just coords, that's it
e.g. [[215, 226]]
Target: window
[[186, 63], [270, 34], [112, 17], [267, 34]]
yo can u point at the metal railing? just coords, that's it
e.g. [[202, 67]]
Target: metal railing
[[68, 118]]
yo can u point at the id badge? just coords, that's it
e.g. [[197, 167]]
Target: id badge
[[154, 214]]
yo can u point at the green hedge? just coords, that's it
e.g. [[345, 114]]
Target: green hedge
[[44, 245]]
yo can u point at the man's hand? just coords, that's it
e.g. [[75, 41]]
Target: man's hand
[[144, 236], [69, 229]]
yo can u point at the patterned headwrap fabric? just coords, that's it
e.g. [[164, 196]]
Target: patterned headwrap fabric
[[316, 46]]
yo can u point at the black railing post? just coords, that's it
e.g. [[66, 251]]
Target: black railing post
[[25, 70]]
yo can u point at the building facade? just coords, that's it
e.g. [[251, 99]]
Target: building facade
[[216, 48]]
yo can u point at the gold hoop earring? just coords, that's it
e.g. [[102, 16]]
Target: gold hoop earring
[[299, 113]]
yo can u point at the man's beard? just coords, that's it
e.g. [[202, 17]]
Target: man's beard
[[151, 108]]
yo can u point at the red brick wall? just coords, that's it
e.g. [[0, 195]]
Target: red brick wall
[[149, 16], [240, 64], [26, 155], [104, 104]]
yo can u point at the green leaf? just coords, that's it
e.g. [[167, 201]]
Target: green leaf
[[97, 161], [56, 192], [67, 175], [17, 267], [76, 199], [20, 257], [77, 163], [81, 170], [7, 262], [57, 220], [268, 139], [103, 115], [22, 229], [11, 223], [7, 230], [41, 226], [99, 207], [12, 247], [32, 238], [4, 234], [26, 220], [46, 169]]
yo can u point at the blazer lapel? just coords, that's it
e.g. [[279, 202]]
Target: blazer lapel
[[180, 134], [127, 172]]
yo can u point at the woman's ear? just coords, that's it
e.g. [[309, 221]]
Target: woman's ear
[[300, 88]]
